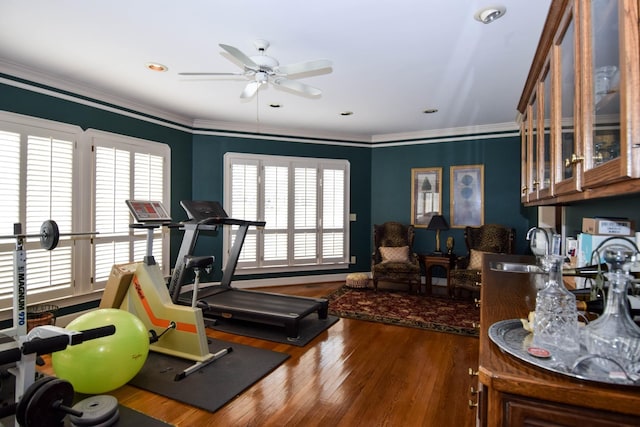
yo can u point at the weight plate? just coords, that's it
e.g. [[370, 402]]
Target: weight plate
[[49, 235], [43, 408], [107, 423], [95, 410], [21, 409]]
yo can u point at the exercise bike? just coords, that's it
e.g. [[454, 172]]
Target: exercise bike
[[46, 399], [140, 288]]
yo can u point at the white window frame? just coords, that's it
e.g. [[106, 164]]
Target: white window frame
[[257, 264], [82, 287]]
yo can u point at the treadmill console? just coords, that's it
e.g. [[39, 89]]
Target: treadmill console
[[200, 210]]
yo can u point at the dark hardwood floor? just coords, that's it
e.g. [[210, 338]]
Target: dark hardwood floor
[[355, 374]]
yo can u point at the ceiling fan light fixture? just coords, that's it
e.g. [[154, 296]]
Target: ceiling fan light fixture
[[490, 14], [155, 66]]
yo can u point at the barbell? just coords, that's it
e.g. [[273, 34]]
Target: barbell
[[49, 234]]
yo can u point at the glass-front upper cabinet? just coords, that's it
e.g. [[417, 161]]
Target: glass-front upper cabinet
[[524, 158], [545, 138], [532, 148], [608, 98], [569, 153], [581, 102]]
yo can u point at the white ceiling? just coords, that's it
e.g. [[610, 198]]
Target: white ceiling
[[390, 60]]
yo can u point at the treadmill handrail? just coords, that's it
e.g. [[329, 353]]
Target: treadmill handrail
[[218, 220]]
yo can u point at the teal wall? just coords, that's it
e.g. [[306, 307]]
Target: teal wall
[[391, 185], [627, 206]]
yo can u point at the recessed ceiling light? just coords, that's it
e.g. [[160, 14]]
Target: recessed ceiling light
[[154, 66], [430, 111], [490, 14], [346, 113]]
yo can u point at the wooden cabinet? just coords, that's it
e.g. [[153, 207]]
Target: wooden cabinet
[[580, 108], [515, 393]]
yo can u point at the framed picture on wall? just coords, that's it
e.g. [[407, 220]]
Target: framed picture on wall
[[426, 195], [467, 196]]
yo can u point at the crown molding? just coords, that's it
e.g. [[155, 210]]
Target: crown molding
[[256, 130], [497, 128], [57, 83]]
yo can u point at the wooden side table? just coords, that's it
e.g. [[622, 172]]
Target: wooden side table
[[428, 261]]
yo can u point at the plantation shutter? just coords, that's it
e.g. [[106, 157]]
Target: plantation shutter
[[124, 170], [10, 206], [333, 213], [276, 214], [244, 205], [49, 196], [305, 214], [304, 203], [41, 166]]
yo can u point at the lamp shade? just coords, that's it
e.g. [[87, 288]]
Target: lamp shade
[[438, 223]]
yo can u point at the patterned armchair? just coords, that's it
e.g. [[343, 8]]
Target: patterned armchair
[[491, 238], [393, 259]]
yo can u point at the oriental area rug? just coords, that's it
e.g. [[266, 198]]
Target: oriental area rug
[[401, 308]]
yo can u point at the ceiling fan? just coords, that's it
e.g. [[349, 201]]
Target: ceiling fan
[[263, 69]]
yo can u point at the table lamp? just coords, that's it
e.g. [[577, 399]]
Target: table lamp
[[438, 223]]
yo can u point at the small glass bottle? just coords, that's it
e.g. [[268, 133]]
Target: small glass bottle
[[555, 327], [614, 335]]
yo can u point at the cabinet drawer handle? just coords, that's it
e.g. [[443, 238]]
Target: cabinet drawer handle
[[473, 391], [472, 404], [475, 325], [473, 373], [476, 302]]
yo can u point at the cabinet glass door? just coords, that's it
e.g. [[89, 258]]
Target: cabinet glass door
[[533, 151], [524, 170], [545, 141], [606, 82]]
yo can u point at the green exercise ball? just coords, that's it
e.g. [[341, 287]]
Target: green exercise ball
[[103, 364]]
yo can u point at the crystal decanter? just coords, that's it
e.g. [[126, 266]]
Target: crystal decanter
[[614, 338], [555, 326]]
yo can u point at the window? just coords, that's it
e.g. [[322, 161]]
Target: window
[[126, 168], [304, 203], [80, 180]]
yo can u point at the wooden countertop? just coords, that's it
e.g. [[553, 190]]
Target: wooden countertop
[[512, 296]]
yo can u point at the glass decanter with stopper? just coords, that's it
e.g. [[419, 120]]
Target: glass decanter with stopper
[[614, 338], [555, 326]]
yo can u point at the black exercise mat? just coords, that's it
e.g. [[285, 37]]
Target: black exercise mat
[[214, 385], [131, 418], [310, 327], [128, 418]]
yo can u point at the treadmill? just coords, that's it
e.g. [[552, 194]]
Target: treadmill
[[225, 301]]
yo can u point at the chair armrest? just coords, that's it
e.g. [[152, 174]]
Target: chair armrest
[[462, 263]]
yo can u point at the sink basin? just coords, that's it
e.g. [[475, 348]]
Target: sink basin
[[515, 267]]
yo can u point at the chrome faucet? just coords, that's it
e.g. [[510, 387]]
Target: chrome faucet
[[530, 235]]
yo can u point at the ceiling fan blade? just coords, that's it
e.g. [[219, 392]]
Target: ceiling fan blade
[[211, 74], [304, 67], [297, 86], [237, 54], [250, 89]]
